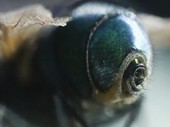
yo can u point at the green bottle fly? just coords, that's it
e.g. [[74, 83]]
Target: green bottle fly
[[104, 53]]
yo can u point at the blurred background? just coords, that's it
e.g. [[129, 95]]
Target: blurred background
[[158, 7], [156, 109]]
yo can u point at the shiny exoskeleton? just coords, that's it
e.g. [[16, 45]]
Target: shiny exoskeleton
[[98, 63]]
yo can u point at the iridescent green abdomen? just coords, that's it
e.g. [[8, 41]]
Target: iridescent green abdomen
[[104, 55]]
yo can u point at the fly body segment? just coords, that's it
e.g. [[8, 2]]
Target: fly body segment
[[106, 52], [98, 59], [106, 57]]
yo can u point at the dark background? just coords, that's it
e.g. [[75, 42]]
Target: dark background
[[157, 7]]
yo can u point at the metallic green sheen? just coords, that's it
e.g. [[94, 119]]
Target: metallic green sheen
[[113, 40], [107, 47]]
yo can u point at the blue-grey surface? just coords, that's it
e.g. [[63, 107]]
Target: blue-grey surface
[[155, 111]]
